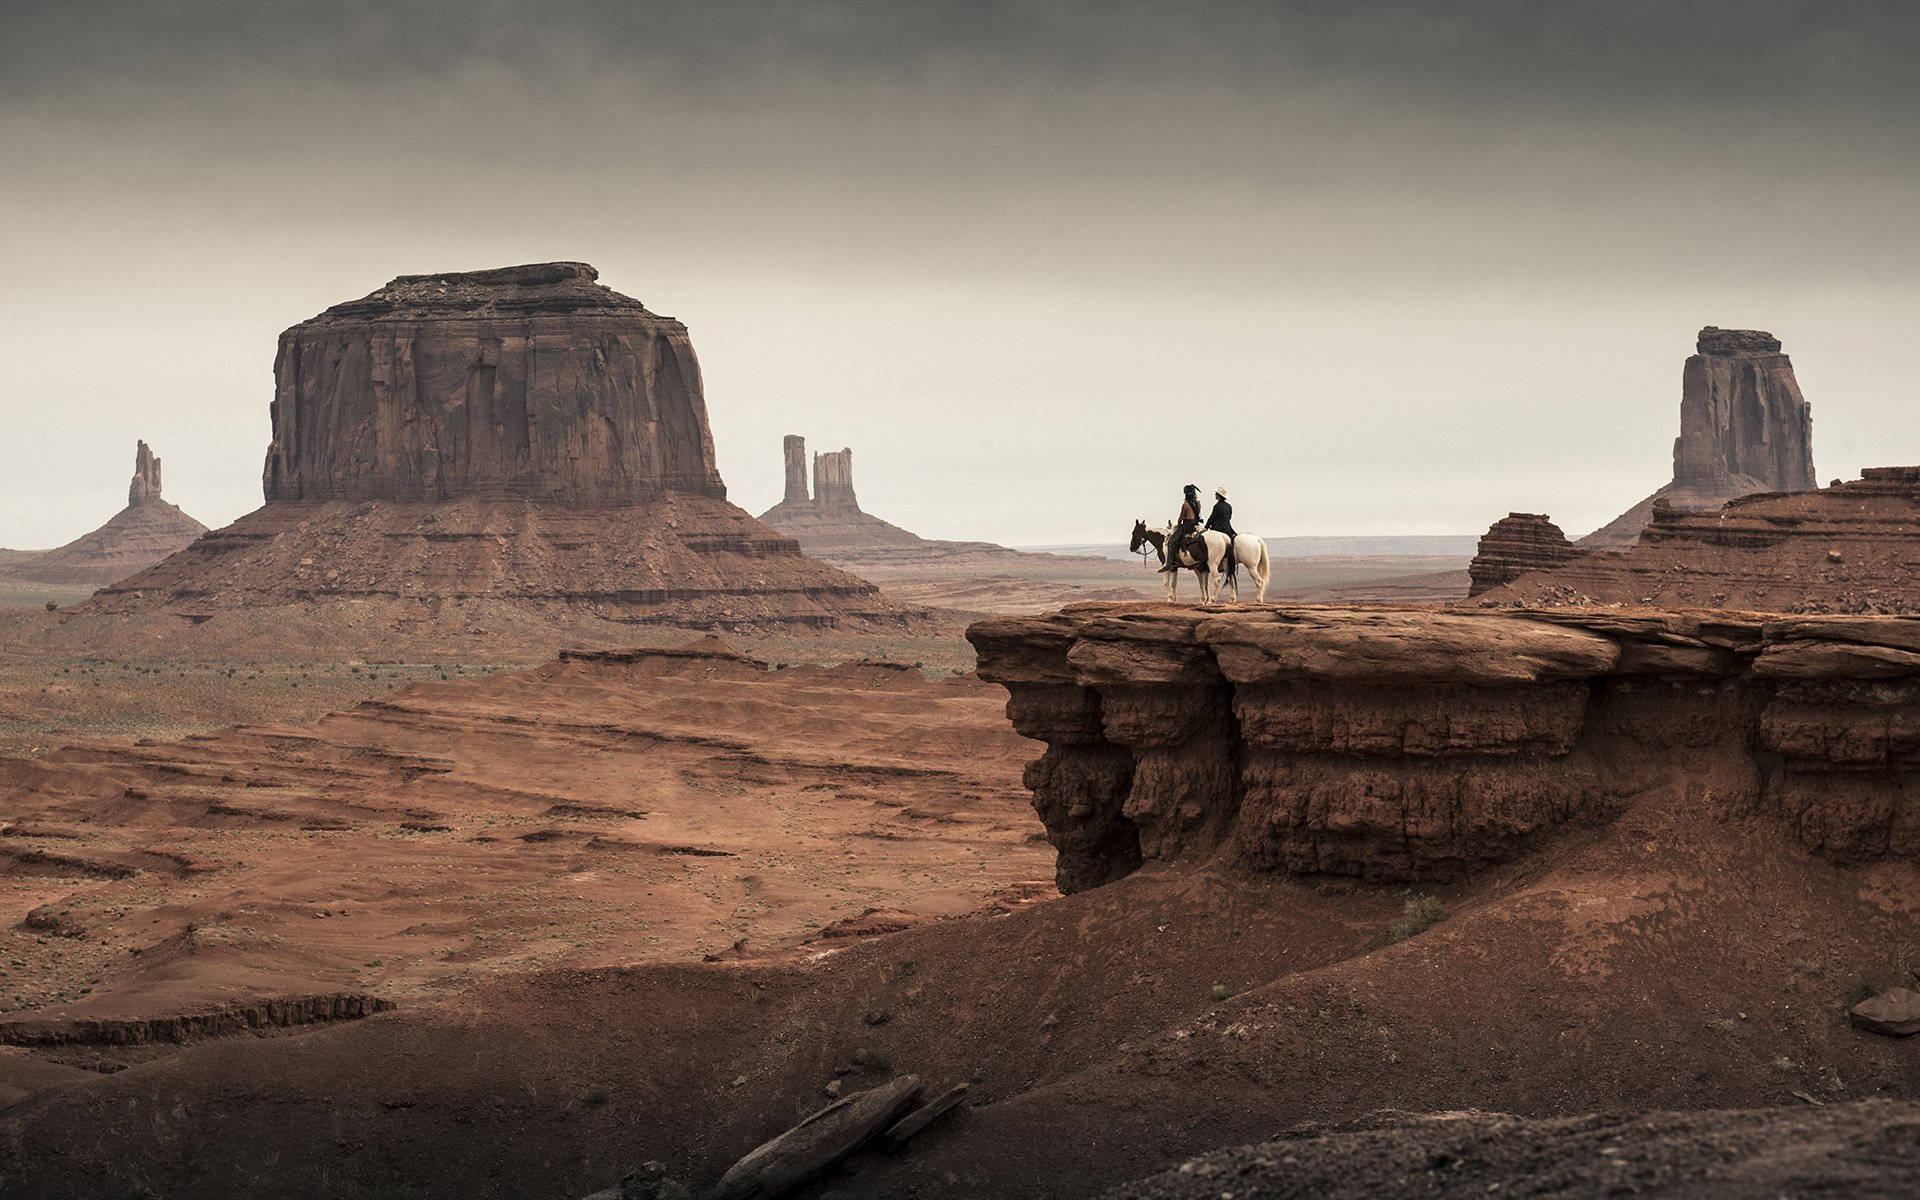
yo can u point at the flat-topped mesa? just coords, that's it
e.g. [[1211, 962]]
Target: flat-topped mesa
[[1515, 544], [1423, 745], [1744, 428], [528, 382], [145, 485]]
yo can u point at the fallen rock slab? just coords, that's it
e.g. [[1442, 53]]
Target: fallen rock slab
[[1894, 1012], [817, 1144], [914, 1122]]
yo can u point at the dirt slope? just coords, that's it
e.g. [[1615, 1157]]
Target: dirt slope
[[605, 809], [1675, 959]]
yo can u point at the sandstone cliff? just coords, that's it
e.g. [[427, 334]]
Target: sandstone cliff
[[531, 381], [1744, 428], [1849, 548], [1419, 745], [147, 530]]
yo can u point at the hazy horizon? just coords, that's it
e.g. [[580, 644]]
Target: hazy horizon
[[1380, 268]]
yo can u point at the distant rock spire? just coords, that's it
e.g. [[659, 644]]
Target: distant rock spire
[[146, 477], [833, 479], [796, 450]]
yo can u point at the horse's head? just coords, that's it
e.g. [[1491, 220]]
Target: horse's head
[[1139, 535]]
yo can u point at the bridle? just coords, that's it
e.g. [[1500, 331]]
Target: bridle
[[1147, 543]]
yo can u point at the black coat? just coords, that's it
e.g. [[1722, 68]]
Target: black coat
[[1221, 518]]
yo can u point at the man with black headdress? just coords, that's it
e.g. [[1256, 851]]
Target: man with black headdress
[[1184, 527]]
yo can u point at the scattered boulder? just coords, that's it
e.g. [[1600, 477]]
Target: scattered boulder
[[1894, 1012], [59, 922], [817, 1144]]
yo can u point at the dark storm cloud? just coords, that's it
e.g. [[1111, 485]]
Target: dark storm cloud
[[1624, 54]]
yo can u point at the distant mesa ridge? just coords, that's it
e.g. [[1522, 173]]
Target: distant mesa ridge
[[1843, 549]]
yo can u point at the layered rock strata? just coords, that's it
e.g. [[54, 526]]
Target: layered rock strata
[[1744, 428], [1417, 745], [522, 436], [147, 530], [1849, 548], [531, 381], [1515, 544]]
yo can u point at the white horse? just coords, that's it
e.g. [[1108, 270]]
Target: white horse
[[1248, 552]]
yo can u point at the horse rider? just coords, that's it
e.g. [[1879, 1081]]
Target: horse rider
[[1183, 529], [1221, 519]]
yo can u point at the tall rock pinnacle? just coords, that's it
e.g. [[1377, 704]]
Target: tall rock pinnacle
[[1744, 428], [145, 485], [795, 447]]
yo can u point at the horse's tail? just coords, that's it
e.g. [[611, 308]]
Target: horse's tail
[[1262, 572]]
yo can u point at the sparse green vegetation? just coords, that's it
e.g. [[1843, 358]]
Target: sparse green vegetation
[[1419, 914], [1222, 992], [596, 1098]]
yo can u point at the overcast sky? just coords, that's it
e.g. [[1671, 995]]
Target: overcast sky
[[1379, 267]]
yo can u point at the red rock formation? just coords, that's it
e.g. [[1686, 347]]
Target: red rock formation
[[1850, 548], [145, 484], [147, 530], [1515, 544], [1421, 745], [521, 436], [1744, 428], [833, 479], [795, 447], [831, 525], [530, 381]]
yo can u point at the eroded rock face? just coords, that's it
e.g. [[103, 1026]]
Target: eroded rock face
[[1421, 745], [833, 479], [145, 484], [795, 448], [1744, 428], [518, 382], [1515, 544]]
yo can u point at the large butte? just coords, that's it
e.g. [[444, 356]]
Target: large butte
[[521, 437]]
